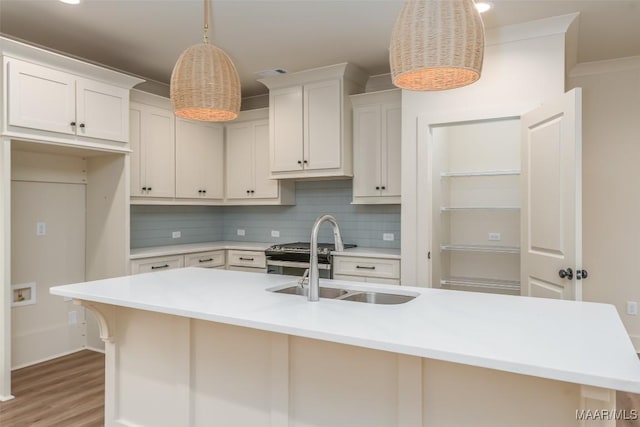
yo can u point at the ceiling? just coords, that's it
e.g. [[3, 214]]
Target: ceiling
[[145, 37]]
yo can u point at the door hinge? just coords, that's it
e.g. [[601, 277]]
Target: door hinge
[[581, 274], [429, 255]]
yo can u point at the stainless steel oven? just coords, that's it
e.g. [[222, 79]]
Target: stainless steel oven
[[293, 258]]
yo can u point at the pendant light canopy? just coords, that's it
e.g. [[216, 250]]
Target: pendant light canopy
[[436, 45], [204, 84]]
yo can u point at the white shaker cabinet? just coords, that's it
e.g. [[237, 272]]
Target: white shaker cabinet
[[199, 160], [247, 159], [152, 137], [376, 147], [310, 121], [46, 99]]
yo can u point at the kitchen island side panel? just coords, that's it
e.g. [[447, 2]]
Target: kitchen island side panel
[[171, 370]]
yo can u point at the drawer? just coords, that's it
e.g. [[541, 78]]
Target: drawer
[[255, 259], [147, 265], [205, 259], [366, 279], [366, 267]]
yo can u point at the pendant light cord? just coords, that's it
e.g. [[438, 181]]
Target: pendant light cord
[[205, 38]]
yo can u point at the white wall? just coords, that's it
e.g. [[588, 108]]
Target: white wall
[[523, 66], [611, 183]]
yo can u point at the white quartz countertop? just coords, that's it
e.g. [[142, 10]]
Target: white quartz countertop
[[578, 342], [189, 248], [248, 246]]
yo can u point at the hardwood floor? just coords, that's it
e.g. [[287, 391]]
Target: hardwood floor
[[69, 392], [65, 392]]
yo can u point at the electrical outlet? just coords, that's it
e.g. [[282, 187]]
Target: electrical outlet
[[73, 317], [275, 233], [41, 229], [176, 235], [240, 232], [388, 237], [495, 237], [632, 308]]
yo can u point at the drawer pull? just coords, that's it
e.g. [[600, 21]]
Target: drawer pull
[[364, 267], [155, 267], [205, 260], [245, 259]]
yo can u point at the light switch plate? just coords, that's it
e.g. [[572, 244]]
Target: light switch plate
[[41, 229]]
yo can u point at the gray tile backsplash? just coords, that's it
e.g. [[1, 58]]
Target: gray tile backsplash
[[362, 225]]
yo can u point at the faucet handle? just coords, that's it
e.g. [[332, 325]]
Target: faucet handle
[[304, 279]]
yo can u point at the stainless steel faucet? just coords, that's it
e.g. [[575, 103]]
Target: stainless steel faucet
[[314, 274]]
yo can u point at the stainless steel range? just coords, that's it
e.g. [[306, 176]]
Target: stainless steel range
[[293, 258]]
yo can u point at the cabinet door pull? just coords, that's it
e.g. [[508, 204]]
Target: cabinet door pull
[[377, 188], [81, 125], [383, 187], [205, 260], [248, 191], [252, 191], [155, 267], [149, 188], [204, 191], [245, 259], [144, 188], [365, 267], [72, 123], [305, 162], [299, 162]]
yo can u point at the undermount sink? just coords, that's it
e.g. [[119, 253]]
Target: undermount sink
[[346, 294], [377, 298], [324, 292]]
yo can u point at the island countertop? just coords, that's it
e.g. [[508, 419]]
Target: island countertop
[[578, 342]]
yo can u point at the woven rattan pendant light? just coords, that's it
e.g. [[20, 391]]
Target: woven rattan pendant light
[[436, 45], [204, 83]]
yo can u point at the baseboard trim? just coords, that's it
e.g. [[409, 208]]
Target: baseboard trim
[[635, 340], [97, 350], [5, 398], [48, 358]]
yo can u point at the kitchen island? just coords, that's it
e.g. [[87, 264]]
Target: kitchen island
[[203, 347]]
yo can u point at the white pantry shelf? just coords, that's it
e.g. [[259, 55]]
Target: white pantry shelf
[[468, 174], [476, 282], [482, 248]]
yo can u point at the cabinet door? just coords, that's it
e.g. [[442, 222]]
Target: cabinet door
[[323, 125], [199, 160], [135, 143], [157, 151], [390, 150], [102, 110], [240, 141], [366, 151], [286, 129], [264, 187], [41, 98]]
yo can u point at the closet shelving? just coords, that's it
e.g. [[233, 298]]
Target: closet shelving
[[476, 207]]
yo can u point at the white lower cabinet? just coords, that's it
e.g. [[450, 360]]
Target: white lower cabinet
[[147, 265], [366, 269], [246, 260]]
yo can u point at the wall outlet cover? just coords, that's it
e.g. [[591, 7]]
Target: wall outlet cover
[[275, 233], [495, 237], [240, 232], [41, 229], [389, 237], [632, 308], [176, 235]]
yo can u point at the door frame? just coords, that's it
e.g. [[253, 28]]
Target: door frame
[[416, 269]]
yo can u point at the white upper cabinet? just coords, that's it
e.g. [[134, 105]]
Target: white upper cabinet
[[199, 160], [46, 99], [153, 151], [376, 147], [248, 175], [310, 121]]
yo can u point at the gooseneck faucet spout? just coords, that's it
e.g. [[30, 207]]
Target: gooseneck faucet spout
[[314, 275]]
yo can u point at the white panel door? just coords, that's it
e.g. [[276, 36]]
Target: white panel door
[[286, 129], [102, 110], [41, 98], [199, 160], [158, 155], [323, 125], [239, 163], [264, 187], [391, 150], [367, 139], [551, 218]]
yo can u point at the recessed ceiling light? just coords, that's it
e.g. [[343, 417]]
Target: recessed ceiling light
[[71, 1], [483, 6]]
